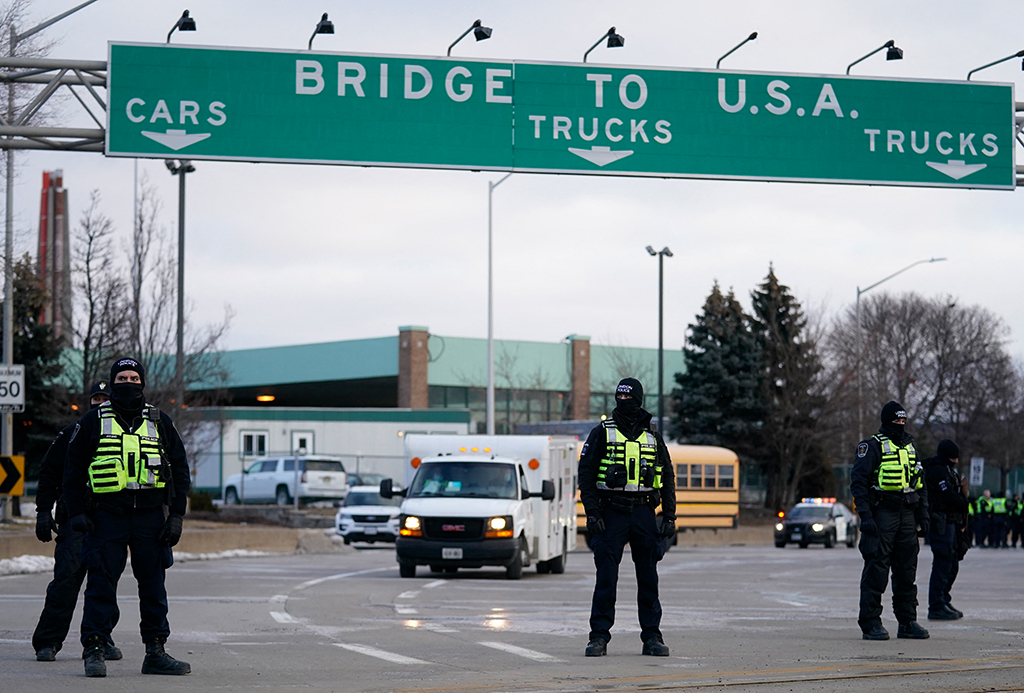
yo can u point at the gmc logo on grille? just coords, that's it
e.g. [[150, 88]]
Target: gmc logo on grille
[[453, 528]]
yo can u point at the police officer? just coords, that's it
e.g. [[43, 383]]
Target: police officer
[[983, 519], [125, 462], [947, 502], [892, 500], [624, 473], [1013, 507], [68, 571], [997, 537]]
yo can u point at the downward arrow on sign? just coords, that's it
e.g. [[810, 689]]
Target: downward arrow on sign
[[601, 155], [956, 168]]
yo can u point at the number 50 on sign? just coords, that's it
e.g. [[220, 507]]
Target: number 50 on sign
[[12, 388]]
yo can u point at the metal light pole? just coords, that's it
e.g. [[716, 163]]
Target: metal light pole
[[738, 46], [179, 169], [894, 53], [661, 254], [860, 407], [490, 304], [8, 341], [1018, 54]]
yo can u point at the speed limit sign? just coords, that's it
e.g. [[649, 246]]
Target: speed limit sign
[[12, 388]]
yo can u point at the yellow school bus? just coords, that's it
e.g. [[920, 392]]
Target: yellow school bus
[[707, 488]]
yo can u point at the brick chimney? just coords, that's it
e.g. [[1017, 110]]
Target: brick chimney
[[413, 358], [580, 345]]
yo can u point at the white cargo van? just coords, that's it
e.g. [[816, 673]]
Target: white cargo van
[[473, 501]]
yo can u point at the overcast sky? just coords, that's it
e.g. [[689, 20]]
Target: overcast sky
[[320, 253]]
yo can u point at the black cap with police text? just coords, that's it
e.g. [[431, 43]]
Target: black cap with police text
[[892, 411], [632, 387], [100, 387], [128, 364], [948, 450]]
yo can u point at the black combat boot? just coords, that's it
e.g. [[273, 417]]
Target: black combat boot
[[912, 630], [655, 647], [94, 656], [597, 647], [876, 632], [159, 662]]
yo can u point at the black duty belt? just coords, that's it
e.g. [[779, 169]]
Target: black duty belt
[[626, 502]]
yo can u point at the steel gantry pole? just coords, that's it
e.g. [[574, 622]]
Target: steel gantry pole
[[661, 255], [490, 303]]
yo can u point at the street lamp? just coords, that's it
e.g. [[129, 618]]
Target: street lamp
[[184, 23], [8, 324], [324, 26], [179, 169], [860, 408], [480, 33], [893, 53], [614, 41], [490, 307], [738, 46], [661, 255], [1018, 54]]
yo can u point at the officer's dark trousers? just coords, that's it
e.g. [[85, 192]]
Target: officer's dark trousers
[[62, 592], [982, 527], [997, 535], [639, 528], [105, 556], [894, 548], [945, 566]]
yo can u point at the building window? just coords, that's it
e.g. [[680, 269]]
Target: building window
[[253, 444]]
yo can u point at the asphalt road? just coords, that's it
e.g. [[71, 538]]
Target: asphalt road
[[736, 618]]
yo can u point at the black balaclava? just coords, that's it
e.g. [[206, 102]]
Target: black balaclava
[[893, 410], [629, 414], [948, 451], [127, 398]]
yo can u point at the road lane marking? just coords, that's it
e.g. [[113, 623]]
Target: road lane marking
[[405, 609], [411, 594], [282, 617], [435, 583], [522, 652], [380, 654], [339, 576], [279, 599]]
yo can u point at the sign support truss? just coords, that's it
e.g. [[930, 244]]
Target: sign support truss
[[89, 75]]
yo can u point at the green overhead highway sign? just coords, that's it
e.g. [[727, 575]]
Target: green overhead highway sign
[[379, 110]]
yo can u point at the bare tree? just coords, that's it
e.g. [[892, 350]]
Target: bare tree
[[102, 326]]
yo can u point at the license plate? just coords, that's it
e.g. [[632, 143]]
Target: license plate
[[797, 535], [455, 554], [370, 530], [326, 479]]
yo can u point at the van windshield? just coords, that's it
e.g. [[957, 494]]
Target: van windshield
[[464, 480]]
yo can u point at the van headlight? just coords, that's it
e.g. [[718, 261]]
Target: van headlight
[[499, 527], [779, 527], [410, 526], [817, 526]]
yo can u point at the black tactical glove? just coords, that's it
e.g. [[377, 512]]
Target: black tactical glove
[[925, 524], [595, 524], [82, 523], [171, 532], [668, 527], [867, 526], [44, 526]]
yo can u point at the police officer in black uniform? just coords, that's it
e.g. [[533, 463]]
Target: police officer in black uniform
[[624, 473], [125, 463], [892, 500], [947, 502], [68, 571]]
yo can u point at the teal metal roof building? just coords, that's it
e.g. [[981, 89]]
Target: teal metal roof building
[[534, 381]]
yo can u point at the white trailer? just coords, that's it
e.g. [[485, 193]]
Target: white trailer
[[473, 501]]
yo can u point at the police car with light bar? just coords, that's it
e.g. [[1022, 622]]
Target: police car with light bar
[[817, 521]]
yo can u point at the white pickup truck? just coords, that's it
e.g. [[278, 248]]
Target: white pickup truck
[[473, 501], [274, 480]]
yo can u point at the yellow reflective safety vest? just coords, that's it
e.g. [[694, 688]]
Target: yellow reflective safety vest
[[899, 469], [998, 506], [629, 465], [127, 460]]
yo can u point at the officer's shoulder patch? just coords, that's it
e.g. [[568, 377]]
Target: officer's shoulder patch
[[862, 450], [75, 432], [584, 450]]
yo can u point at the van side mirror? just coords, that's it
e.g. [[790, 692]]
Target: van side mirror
[[387, 490], [547, 491]]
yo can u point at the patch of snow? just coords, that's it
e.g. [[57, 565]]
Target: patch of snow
[[24, 565]]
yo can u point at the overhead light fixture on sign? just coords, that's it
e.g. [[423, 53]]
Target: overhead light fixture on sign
[[738, 46], [893, 53], [480, 33], [324, 26], [1018, 54], [614, 41], [185, 23]]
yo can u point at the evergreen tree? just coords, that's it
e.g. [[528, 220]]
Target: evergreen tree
[[718, 399], [47, 407], [791, 451]]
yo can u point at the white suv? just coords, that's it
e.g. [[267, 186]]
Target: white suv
[[273, 480], [367, 516]]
